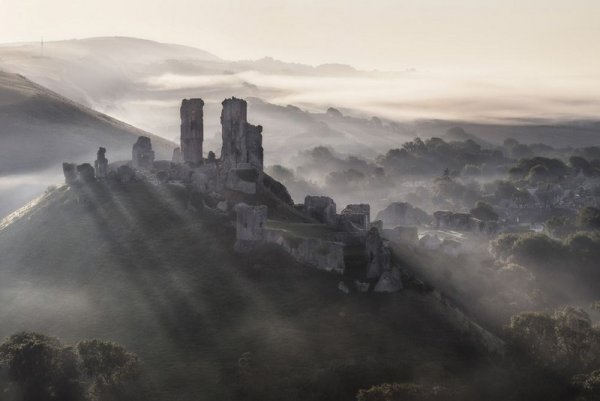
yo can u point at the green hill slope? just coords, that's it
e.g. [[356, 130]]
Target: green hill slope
[[130, 263]]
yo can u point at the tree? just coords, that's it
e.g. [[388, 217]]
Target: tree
[[538, 173], [531, 249], [45, 370], [579, 164], [484, 211], [107, 363], [588, 218], [588, 384], [565, 341], [42, 367], [510, 143], [502, 247], [559, 226], [519, 151]]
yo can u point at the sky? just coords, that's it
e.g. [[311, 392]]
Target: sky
[[513, 37]]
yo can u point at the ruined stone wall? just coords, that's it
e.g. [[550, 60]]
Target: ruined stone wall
[[378, 254], [324, 255], [402, 234], [192, 130], [358, 214], [242, 142], [321, 208], [250, 222], [453, 221]]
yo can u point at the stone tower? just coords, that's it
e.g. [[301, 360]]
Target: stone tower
[[242, 142], [101, 163], [192, 130], [142, 155]]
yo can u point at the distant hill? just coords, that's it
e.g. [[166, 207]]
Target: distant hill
[[131, 263], [40, 129]]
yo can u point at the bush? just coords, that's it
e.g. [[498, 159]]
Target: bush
[[408, 392], [559, 227], [484, 211], [44, 369], [471, 170], [41, 367]]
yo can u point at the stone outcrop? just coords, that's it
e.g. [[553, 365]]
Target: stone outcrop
[[277, 189], [250, 222], [242, 142], [101, 163], [321, 208], [358, 214], [378, 254], [142, 155], [192, 130]]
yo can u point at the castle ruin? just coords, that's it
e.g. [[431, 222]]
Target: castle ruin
[[314, 233], [142, 155], [101, 163]]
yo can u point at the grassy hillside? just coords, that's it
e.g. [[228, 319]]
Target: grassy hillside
[[39, 129], [129, 263]]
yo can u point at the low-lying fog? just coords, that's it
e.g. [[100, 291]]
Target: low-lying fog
[[142, 83], [18, 189]]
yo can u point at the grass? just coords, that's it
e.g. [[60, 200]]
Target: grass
[[305, 230]]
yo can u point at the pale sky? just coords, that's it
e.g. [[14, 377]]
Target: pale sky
[[548, 37]]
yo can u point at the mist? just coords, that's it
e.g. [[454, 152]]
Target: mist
[[306, 231]]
